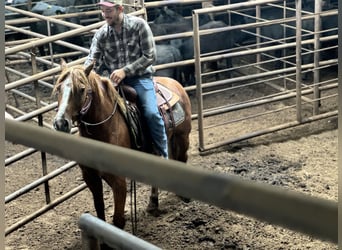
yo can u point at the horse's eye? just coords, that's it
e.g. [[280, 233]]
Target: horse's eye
[[83, 88]]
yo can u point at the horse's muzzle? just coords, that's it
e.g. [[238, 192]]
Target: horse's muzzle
[[61, 124]]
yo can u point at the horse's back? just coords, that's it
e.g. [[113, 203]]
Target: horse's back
[[178, 89], [179, 138], [174, 86]]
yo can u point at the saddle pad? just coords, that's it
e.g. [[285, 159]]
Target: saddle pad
[[178, 114], [169, 97]]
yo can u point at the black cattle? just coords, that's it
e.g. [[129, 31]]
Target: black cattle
[[45, 9], [157, 30], [183, 10], [9, 15], [169, 16], [209, 43], [276, 32], [67, 3], [168, 29], [169, 22], [226, 17], [168, 54]]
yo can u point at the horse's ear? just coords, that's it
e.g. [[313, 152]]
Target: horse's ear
[[89, 68], [63, 64]]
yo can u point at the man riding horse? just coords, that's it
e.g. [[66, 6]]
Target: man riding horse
[[125, 47]]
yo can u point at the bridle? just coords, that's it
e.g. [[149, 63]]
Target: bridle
[[86, 106], [85, 109]]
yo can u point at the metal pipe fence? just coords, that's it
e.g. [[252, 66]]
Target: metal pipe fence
[[39, 106], [39, 181], [278, 206], [44, 209], [258, 74], [205, 89], [96, 231]]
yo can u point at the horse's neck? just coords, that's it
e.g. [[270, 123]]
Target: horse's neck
[[105, 114]]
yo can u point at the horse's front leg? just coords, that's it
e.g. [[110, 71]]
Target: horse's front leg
[[153, 205], [120, 191], [118, 185], [94, 183]]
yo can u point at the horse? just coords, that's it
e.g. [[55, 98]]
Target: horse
[[93, 104]]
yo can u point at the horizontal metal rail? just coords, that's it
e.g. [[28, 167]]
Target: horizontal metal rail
[[20, 156], [41, 41], [50, 18], [40, 75], [28, 97], [81, 29], [39, 181], [275, 205], [168, 3], [95, 230], [37, 112], [29, 56], [41, 82], [269, 130], [249, 104], [44, 209]]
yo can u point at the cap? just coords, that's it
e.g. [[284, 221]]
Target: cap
[[110, 3]]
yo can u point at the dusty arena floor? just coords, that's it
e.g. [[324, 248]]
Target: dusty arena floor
[[302, 159], [307, 165]]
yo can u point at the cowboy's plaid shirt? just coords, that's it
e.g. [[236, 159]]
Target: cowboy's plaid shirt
[[133, 49]]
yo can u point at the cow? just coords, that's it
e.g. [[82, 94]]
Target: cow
[[209, 43], [167, 54], [275, 32], [182, 10], [169, 16]]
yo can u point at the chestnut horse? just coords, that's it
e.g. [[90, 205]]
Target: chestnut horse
[[92, 103]]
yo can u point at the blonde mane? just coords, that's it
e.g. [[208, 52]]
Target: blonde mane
[[100, 85]]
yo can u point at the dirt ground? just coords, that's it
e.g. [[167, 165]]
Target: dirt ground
[[302, 159]]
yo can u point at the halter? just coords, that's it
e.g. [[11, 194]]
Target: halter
[[87, 103], [101, 122], [86, 107]]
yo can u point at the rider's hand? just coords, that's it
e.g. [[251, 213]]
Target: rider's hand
[[118, 75]]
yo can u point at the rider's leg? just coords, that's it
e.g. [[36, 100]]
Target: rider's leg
[[148, 105]]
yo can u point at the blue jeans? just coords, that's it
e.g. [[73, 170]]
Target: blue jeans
[[147, 101]]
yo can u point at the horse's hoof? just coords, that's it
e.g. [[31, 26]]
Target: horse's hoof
[[153, 207], [119, 222], [154, 211]]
